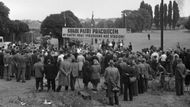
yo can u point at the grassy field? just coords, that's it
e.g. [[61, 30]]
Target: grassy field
[[171, 38]]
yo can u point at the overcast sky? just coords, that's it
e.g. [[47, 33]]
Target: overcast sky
[[39, 9]]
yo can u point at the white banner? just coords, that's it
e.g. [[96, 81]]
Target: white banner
[[109, 33]]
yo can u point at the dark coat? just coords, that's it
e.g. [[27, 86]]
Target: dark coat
[[180, 71], [39, 69], [49, 57], [50, 71], [86, 70], [96, 69], [122, 69], [131, 73]]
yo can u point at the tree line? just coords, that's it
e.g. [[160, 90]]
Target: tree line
[[143, 18], [133, 20], [170, 15], [9, 27]]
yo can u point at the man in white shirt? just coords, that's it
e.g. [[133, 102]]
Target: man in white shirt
[[163, 59]]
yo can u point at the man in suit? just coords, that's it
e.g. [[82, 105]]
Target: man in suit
[[39, 72], [128, 85], [179, 76], [21, 65], [122, 68], [112, 79], [74, 73], [50, 72], [141, 70]]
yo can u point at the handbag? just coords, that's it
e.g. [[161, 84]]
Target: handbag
[[132, 79]]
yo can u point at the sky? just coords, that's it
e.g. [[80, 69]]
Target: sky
[[40, 9]]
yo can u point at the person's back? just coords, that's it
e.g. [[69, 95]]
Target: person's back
[[96, 69], [34, 58], [142, 68], [23, 60], [180, 70], [48, 57], [38, 69], [122, 68], [66, 65], [179, 77], [80, 58], [112, 75], [50, 71], [147, 70], [75, 68], [112, 79]]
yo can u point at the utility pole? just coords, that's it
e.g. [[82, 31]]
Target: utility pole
[[162, 24]]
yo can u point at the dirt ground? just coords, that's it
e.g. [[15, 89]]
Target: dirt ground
[[14, 94]]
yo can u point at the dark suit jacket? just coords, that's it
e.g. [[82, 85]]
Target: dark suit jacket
[[50, 71], [128, 70], [180, 71]]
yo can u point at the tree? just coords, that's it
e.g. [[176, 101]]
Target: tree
[[137, 20], [157, 16], [146, 18], [118, 23], [101, 24], [18, 27], [55, 22], [165, 16], [151, 14], [9, 27], [86, 24], [175, 14], [4, 19], [170, 14], [147, 7], [187, 25], [4, 10], [142, 5], [105, 24], [124, 14]]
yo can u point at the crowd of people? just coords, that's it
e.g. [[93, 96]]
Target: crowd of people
[[125, 72]]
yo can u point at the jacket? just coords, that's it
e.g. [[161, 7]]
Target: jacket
[[180, 71], [75, 69], [50, 71], [96, 69], [38, 69]]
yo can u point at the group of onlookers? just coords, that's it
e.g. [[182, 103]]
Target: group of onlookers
[[125, 73]]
